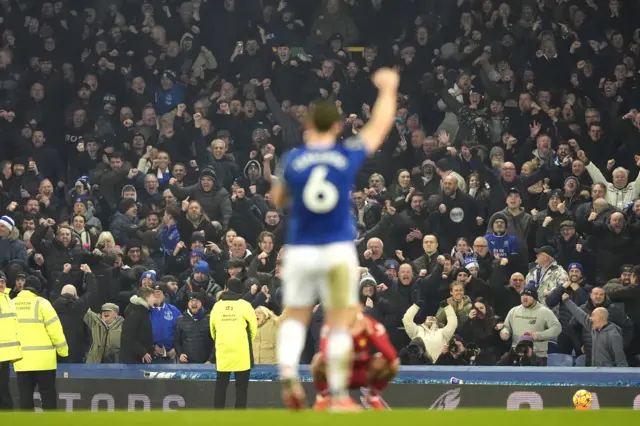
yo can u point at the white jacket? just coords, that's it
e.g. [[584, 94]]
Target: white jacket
[[619, 198], [433, 340]]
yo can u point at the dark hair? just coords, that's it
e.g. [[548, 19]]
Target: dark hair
[[116, 154], [168, 279], [636, 272], [144, 292], [173, 211], [236, 263], [323, 116]]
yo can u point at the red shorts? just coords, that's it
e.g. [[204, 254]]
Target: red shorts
[[359, 376]]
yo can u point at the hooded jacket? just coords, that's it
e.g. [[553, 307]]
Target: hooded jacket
[[434, 338], [105, 345], [504, 245], [137, 335], [518, 226], [192, 337], [216, 203], [12, 248], [616, 316], [547, 280], [607, 349], [123, 228], [537, 319], [264, 345]]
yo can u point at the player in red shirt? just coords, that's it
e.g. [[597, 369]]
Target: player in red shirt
[[371, 371]]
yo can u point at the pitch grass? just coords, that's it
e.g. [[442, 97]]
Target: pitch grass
[[280, 418]]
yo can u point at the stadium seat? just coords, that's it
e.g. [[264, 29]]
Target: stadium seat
[[581, 361], [560, 360]]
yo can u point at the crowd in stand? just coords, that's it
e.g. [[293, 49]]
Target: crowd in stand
[[499, 223]]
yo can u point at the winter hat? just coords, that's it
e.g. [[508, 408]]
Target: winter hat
[[3, 276], [572, 178], [197, 253], [33, 282], [109, 98], [499, 215], [149, 274], [163, 287], [196, 295], [170, 75], [367, 279], [391, 264], [201, 267], [496, 150], [208, 172], [526, 339], [568, 224], [530, 290], [125, 205], [427, 162], [7, 222], [471, 262], [557, 193], [110, 307], [234, 285], [197, 237], [576, 265]]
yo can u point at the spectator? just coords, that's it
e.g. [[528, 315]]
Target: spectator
[[264, 345], [11, 247], [192, 339], [432, 335], [461, 304], [518, 322], [164, 317], [106, 333], [547, 274], [11, 350], [607, 347], [136, 344]]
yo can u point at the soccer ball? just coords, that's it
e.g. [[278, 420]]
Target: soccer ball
[[582, 399]]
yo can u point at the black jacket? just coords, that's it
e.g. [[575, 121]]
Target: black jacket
[[137, 336], [56, 255], [71, 312], [193, 338]]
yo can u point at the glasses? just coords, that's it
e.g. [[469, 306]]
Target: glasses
[[134, 251]]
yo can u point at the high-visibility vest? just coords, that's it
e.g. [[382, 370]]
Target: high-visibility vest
[[40, 331], [9, 344]]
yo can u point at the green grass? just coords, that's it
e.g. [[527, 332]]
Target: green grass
[[280, 418]]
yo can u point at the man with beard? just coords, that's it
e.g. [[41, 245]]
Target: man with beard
[[598, 299], [533, 318], [573, 196], [193, 220], [500, 243], [192, 340], [214, 199], [458, 214], [569, 246], [429, 180], [411, 225], [622, 281], [610, 243], [578, 291], [200, 281], [62, 250]]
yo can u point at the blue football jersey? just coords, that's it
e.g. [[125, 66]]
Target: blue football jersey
[[319, 181]]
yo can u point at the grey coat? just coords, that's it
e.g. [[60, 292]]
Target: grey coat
[[12, 248], [606, 343]]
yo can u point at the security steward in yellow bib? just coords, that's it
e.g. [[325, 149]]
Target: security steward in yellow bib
[[10, 350], [233, 327], [41, 337]]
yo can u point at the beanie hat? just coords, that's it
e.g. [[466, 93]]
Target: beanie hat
[[471, 262], [33, 283], [149, 274], [367, 278], [391, 264], [499, 215], [208, 172], [197, 296], [235, 286], [557, 193], [572, 178], [125, 205], [8, 222], [495, 151], [163, 287], [201, 267], [576, 265], [526, 339], [530, 290], [197, 253]]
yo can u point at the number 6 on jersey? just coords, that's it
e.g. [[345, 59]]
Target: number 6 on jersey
[[319, 195]]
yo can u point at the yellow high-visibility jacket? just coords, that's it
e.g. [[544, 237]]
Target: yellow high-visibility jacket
[[233, 326], [40, 331], [9, 342]]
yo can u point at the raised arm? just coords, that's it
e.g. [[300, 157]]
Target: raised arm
[[384, 109]]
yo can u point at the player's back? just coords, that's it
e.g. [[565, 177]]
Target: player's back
[[319, 181]]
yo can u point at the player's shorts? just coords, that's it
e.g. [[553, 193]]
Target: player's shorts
[[359, 377], [328, 272]]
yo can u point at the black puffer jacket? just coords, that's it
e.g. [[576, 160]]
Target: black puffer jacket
[[71, 312], [193, 338], [56, 255], [137, 336]]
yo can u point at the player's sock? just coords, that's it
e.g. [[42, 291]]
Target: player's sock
[[322, 388], [290, 343], [339, 348], [377, 386]]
